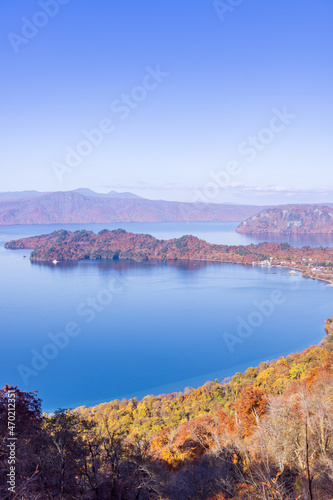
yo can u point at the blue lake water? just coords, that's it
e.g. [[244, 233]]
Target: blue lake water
[[88, 332]]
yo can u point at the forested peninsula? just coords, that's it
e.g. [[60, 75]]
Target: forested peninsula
[[316, 263]]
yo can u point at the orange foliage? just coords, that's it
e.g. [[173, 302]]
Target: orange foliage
[[250, 406]]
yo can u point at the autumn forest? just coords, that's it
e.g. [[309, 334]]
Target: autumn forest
[[264, 434]]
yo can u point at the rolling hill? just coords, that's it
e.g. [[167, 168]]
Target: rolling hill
[[85, 206]]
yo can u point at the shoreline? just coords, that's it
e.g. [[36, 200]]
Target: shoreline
[[219, 261], [248, 264]]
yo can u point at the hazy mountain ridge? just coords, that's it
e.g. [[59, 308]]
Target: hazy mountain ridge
[[290, 219], [75, 207]]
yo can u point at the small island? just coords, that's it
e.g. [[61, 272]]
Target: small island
[[59, 246]]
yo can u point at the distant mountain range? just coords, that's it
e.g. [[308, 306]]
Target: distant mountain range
[[16, 195], [290, 219], [86, 206]]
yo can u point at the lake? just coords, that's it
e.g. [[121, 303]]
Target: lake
[[87, 332]]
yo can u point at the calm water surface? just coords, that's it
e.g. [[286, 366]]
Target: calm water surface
[[146, 328]]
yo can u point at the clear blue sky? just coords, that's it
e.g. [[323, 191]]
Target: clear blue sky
[[222, 79]]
